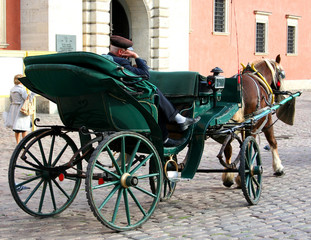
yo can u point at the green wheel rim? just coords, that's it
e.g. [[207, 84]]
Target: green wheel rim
[[251, 170], [46, 191], [118, 192]]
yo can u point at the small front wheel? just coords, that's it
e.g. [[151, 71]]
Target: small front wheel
[[117, 183], [251, 171]]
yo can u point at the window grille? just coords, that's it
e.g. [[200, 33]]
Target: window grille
[[291, 39], [220, 16], [260, 37]]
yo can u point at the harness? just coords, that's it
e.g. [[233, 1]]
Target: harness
[[257, 77], [254, 74]]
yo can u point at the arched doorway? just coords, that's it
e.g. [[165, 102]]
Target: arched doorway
[[130, 19], [120, 24]]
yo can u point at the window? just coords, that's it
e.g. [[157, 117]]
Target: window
[[3, 43], [220, 16], [292, 34], [260, 37], [261, 44], [291, 39]]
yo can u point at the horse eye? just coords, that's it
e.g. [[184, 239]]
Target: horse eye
[[282, 74]]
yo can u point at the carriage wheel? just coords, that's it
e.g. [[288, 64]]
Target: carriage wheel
[[251, 170], [36, 181], [119, 192], [168, 186]]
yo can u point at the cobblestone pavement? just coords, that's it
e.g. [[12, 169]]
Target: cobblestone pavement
[[199, 209]]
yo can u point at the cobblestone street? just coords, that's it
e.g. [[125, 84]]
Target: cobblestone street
[[201, 208]]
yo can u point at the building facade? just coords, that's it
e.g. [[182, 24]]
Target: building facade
[[174, 35], [226, 33]]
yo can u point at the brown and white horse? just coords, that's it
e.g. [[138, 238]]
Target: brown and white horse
[[256, 96]]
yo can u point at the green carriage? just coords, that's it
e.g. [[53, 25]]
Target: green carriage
[[113, 112]]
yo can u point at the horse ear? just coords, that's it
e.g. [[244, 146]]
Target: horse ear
[[278, 59]]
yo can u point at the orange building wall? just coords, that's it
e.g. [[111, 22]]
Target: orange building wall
[[227, 51], [13, 32]]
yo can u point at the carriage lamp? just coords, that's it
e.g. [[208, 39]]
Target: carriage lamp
[[217, 83]]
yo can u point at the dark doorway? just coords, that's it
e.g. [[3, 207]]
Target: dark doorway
[[119, 21]]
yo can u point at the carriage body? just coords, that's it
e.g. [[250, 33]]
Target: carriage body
[[89, 91], [94, 99]]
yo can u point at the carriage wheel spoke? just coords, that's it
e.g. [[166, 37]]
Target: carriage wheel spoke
[[116, 207], [254, 158], [127, 209], [60, 155], [123, 155], [28, 168], [247, 177], [116, 188], [28, 181], [133, 155], [106, 184], [42, 152], [42, 196], [253, 188], [107, 171], [256, 182], [114, 161], [142, 163], [148, 175], [137, 202], [33, 192], [51, 150], [34, 158], [61, 189], [52, 195], [145, 191]]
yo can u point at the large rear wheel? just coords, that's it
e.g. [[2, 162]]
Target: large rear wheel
[[117, 183], [38, 182]]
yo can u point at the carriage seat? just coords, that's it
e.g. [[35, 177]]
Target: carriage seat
[[177, 84], [85, 88]]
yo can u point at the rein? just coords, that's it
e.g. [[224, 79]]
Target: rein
[[253, 72]]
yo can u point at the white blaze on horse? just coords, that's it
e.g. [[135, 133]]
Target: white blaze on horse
[[259, 81]]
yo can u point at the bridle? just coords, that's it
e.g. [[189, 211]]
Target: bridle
[[278, 74]]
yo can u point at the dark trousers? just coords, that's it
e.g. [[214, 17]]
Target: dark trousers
[[167, 113]]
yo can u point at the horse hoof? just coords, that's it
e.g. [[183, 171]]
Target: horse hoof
[[279, 173], [227, 184]]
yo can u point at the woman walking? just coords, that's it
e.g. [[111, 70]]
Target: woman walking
[[19, 122]]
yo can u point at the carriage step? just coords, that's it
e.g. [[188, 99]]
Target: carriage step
[[173, 177]]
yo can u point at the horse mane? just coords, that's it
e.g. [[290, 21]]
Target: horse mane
[[269, 63]]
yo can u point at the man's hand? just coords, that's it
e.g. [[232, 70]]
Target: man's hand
[[129, 54]]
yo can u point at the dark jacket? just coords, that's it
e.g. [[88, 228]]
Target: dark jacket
[[141, 69]]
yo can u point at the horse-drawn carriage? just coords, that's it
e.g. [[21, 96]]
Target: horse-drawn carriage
[[127, 170]]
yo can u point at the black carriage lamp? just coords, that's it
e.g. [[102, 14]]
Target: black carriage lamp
[[216, 71]]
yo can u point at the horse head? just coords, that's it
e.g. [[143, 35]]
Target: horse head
[[273, 71]]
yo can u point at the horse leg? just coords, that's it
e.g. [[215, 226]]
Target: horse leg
[[276, 161], [227, 177]]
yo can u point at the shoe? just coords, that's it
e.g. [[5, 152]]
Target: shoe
[[267, 148], [21, 188], [189, 121], [173, 143]]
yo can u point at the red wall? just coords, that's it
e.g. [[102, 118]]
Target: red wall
[[208, 51], [13, 25]]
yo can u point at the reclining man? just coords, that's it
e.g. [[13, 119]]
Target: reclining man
[[119, 50]]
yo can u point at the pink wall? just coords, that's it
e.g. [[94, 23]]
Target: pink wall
[[208, 51], [13, 35]]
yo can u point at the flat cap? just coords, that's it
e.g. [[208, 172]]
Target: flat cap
[[120, 42]]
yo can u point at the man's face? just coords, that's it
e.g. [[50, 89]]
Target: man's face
[[121, 51]]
